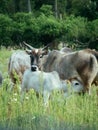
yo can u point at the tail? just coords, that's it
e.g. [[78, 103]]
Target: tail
[[92, 62], [93, 65], [96, 54], [93, 51]]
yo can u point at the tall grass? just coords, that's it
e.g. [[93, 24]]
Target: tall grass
[[74, 113]]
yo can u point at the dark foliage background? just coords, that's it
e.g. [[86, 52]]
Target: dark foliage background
[[39, 22]]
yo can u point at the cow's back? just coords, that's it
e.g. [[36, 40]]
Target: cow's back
[[41, 80], [18, 63], [52, 61], [62, 63]]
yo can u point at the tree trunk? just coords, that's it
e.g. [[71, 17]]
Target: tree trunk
[[56, 9], [17, 5], [29, 6]]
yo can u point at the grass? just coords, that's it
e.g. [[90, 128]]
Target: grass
[[74, 113]]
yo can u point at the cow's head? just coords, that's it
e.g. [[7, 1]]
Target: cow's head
[[77, 85], [35, 53]]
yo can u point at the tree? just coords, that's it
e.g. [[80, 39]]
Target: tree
[[29, 6], [56, 9], [85, 8]]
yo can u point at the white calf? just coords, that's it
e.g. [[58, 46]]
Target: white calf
[[46, 82]]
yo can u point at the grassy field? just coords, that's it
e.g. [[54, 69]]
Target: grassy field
[[74, 113]]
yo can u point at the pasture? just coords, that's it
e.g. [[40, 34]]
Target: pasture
[[74, 113]]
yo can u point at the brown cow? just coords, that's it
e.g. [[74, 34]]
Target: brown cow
[[81, 64]]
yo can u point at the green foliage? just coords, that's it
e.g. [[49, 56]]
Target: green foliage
[[85, 8], [46, 10], [93, 29], [6, 27], [25, 28], [74, 28], [22, 17], [92, 34], [3, 6], [44, 29], [50, 28]]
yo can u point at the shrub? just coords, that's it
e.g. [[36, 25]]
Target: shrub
[[50, 28], [46, 10], [6, 27], [74, 28], [92, 34]]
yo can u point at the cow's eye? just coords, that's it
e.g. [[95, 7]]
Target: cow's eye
[[76, 84]]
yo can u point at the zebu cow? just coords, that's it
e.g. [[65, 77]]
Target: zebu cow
[[20, 61], [46, 82], [63, 51], [81, 64]]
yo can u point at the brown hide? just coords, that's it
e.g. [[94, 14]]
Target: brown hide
[[81, 64]]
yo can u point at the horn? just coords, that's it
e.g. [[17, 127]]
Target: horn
[[46, 46], [28, 45]]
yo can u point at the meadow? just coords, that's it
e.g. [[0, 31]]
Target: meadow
[[79, 112]]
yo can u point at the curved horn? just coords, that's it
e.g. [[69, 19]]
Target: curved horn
[[28, 45], [46, 46]]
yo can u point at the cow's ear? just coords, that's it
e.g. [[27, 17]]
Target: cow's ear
[[42, 53], [45, 52], [67, 81], [28, 52]]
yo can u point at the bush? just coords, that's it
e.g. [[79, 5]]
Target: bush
[[45, 28], [6, 27], [50, 28], [74, 28], [17, 33], [31, 33], [92, 34], [46, 10], [22, 17], [26, 29], [93, 29]]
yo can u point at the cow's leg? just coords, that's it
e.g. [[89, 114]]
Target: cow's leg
[[88, 81], [87, 88]]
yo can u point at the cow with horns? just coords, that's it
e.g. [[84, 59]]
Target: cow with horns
[[20, 60], [82, 64]]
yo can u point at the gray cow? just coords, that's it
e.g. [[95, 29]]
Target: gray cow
[[20, 60], [81, 64], [46, 82]]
